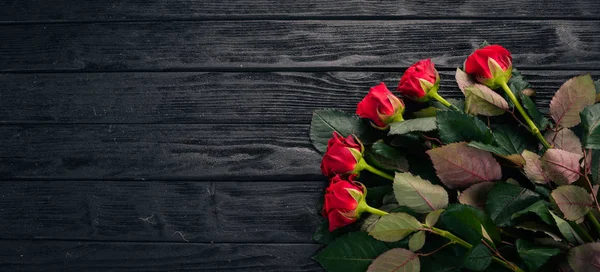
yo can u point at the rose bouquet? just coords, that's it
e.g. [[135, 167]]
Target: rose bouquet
[[488, 183]]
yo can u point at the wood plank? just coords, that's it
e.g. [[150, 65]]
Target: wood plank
[[198, 152], [103, 256], [275, 44], [176, 211], [69, 10], [275, 97]]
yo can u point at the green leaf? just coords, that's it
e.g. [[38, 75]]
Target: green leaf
[[543, 228], [324, 236], [387, 157], [573, 201], [447, 259], [351, 253], [506, 199], [376, 194], [369, 219], [572, 97], [542, 190], [411, 125], [533, 168], [426, 112], [468, 222], [459, 103], [534, 256], [561, 166], [459, 166], [456, 126], [478, 258], [476, 195], [417, 241], [590, 120], [479, 99], [489, 148], [509, 143], [517, 83], [418, 194], [325, 122], [420, 165], [396, 260], [484, 44], [597, 85], [394, 227], [585, 258], [539, 208], [565, 229], [407, 141], [565, 139], [595, 165], [536, 116], [432, 217], [510, 139]]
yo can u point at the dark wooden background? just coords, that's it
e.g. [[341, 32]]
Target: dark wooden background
[[154, 135]]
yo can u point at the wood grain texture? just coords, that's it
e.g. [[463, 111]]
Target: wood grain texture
[[103, 256], [276, 97], [68, 10], [276, 44], [175, 211], [199, 152]]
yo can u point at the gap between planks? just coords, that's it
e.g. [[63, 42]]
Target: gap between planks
[[233, 18], [250, 69], [155, 242]]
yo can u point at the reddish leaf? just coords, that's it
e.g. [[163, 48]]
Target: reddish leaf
[[463, 80], [418, 194], [573, 201], [459, 166], [479, 99], [533, 168], [476, 195], [561, 166], [565, 139], [574, 95], [585, 258], [396, 260]]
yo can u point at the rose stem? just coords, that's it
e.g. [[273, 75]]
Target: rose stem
[[365, 166], [444, 102], [532, 125]]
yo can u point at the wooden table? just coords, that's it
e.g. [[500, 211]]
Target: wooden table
[[152, 135]]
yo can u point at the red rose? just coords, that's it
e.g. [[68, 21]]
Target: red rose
[[381, 106], [419, 79], [342, 155], [342, 199], [491, 65]]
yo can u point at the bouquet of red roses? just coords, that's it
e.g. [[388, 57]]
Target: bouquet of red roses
[[487, 183]]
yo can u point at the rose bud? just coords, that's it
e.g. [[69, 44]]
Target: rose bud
[[381, 107], [342, 155], [419, 79], [345, 202], [342, 202], [490, 65]]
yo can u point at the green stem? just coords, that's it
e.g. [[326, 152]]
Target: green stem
[[532, 126], [579, 230], [594, 221], [456, 240], [372, 210], [365, 166], [438, 97]]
